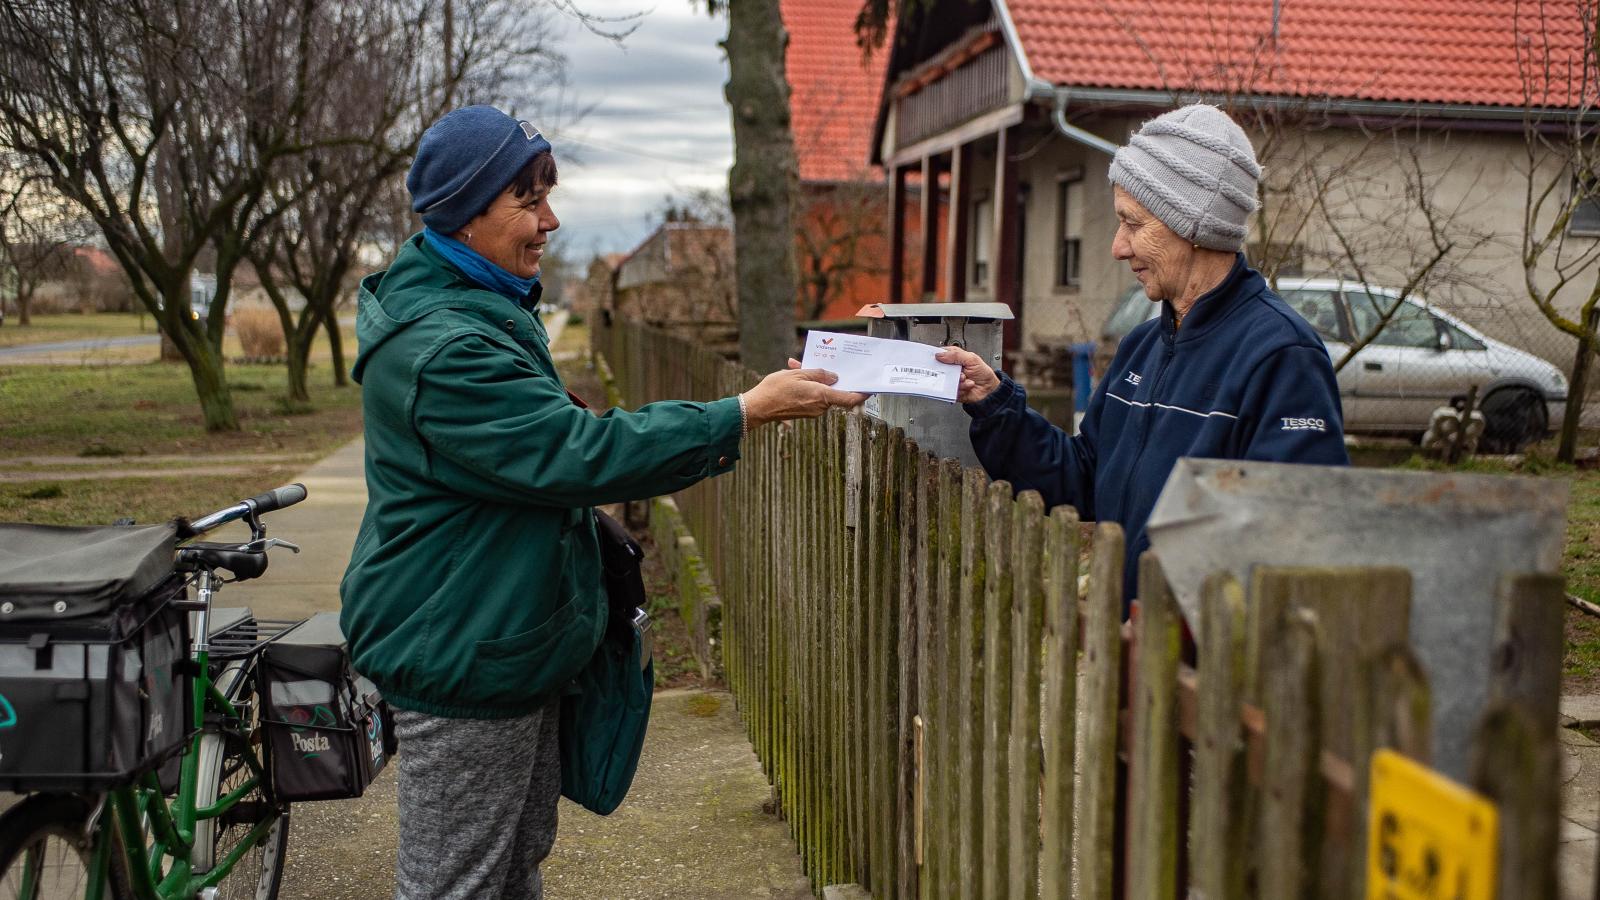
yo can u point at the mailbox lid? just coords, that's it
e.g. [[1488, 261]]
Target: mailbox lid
[[993, 311]]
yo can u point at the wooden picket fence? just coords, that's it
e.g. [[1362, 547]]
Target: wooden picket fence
[[942, 712]]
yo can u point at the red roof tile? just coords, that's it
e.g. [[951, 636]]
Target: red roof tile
[[833, 97], [1414, 51]]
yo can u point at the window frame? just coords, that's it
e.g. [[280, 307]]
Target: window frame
[[1414, 306], [981, 240], [1068, 282]]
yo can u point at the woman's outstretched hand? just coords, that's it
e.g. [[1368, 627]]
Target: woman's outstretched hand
[[977, 379], [795, 393]]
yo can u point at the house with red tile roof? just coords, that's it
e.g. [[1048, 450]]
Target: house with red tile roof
[[1393, 114], [841, 227]]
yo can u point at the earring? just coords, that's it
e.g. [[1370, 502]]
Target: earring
[[469, 238]]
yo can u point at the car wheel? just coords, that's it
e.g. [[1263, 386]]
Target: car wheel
[[1513, 419]]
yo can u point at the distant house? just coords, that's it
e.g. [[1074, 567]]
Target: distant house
[[1017, 104], [680, 276]]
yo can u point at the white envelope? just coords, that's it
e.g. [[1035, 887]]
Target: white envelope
[[871, 365]]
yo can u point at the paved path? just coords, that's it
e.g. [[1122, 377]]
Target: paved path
[[1580, 798], [141, 340]]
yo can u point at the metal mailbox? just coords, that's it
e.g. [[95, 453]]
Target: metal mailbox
[[939, 427]]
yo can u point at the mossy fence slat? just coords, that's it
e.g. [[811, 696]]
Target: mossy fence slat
[[945, 712]]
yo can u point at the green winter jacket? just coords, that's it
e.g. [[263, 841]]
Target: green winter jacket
[[474, 587]]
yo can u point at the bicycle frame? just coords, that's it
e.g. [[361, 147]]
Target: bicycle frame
[[173, 827]]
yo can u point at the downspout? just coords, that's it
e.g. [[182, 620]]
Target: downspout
[[1075, 133]]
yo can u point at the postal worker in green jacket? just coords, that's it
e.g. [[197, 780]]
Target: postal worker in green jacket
[[473, 594]]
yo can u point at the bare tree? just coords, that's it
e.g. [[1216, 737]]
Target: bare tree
[[1561, 129], [162, 120], [35, 236], [839, 236], [415, 61]]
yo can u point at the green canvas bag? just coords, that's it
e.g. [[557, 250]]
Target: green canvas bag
[[606, 709]]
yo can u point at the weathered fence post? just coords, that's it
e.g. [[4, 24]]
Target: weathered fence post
[[996, 709], [1060, 702], [1152, 844], [1026, 621], [1517, 758], [968, 758], [1219, 840], [1097, 754]]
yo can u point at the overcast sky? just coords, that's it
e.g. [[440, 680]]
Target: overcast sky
[[656, 123]]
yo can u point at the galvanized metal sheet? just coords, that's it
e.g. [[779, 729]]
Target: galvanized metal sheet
[[1456, 533]]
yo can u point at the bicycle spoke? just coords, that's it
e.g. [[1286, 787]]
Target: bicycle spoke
[[52, 869]]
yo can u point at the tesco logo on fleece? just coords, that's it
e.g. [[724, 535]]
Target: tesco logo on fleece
[[1295, 423]]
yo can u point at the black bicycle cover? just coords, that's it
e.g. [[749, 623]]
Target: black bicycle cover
[[55, 572]]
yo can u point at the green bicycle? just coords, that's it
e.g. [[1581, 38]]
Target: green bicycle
[[120, 801]]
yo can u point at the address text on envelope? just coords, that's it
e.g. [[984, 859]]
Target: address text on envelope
[[871, 365]]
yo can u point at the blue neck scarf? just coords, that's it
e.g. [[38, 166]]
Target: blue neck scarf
[[478, 270]]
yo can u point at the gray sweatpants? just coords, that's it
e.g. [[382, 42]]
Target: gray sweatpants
[[477, 805]]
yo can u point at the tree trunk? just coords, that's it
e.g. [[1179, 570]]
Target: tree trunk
[[211, 386], [1567, 451], [341, 377], [204, 358], [24, 307], [762, 182], [299, 351]]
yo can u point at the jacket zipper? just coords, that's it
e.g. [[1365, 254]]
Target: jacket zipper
[[1144, 438]]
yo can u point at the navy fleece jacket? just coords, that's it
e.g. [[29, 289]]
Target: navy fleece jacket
[[1244, 378]]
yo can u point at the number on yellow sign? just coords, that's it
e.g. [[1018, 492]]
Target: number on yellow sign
[[1428, 838]]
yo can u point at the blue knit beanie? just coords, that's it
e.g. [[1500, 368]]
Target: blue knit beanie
[[464, 161]]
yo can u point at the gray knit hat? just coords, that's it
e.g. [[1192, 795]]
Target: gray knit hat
[[1195, 170]]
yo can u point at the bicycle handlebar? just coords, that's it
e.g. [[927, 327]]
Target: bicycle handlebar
[[275, 499], [278, 498]]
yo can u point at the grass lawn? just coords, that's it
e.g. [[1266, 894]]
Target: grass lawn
[[127, 411], [113, 416], [101, 502], [74, 327]]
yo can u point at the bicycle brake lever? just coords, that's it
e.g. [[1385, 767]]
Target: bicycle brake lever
[[264, 544]]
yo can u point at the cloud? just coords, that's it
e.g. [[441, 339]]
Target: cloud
[[655, 124]]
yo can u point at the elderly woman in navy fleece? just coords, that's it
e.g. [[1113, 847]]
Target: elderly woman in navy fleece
[[1228, 371]]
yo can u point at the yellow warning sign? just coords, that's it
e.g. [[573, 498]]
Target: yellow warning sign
[[1428, 838]]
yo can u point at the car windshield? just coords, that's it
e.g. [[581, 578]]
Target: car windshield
[[1134, 308]]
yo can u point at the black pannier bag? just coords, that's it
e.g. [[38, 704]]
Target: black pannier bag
[[92, 656], [328, 729]]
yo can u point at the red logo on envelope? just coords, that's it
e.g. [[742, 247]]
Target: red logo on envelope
[[826, 341]]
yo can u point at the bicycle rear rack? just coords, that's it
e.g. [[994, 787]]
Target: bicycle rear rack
[[246, 636]]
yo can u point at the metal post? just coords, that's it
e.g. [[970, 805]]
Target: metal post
[[930, 226], [897, 234], [955, 274]]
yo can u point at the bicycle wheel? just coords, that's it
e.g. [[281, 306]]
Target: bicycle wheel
[[222, 769], [43, 853]]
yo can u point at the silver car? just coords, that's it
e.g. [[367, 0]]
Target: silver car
[[1422, 359]]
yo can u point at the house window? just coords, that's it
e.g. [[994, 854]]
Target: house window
[[1586, 218], [982, 240], [1069, 231]]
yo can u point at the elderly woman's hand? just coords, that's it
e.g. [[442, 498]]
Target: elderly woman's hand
[[795, 394], [977, 379]]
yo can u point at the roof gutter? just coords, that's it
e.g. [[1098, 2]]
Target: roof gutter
[[1073, 132], [1035, 88], [1164, 99]]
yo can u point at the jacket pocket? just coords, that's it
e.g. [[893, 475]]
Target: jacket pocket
[[516, 669]]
